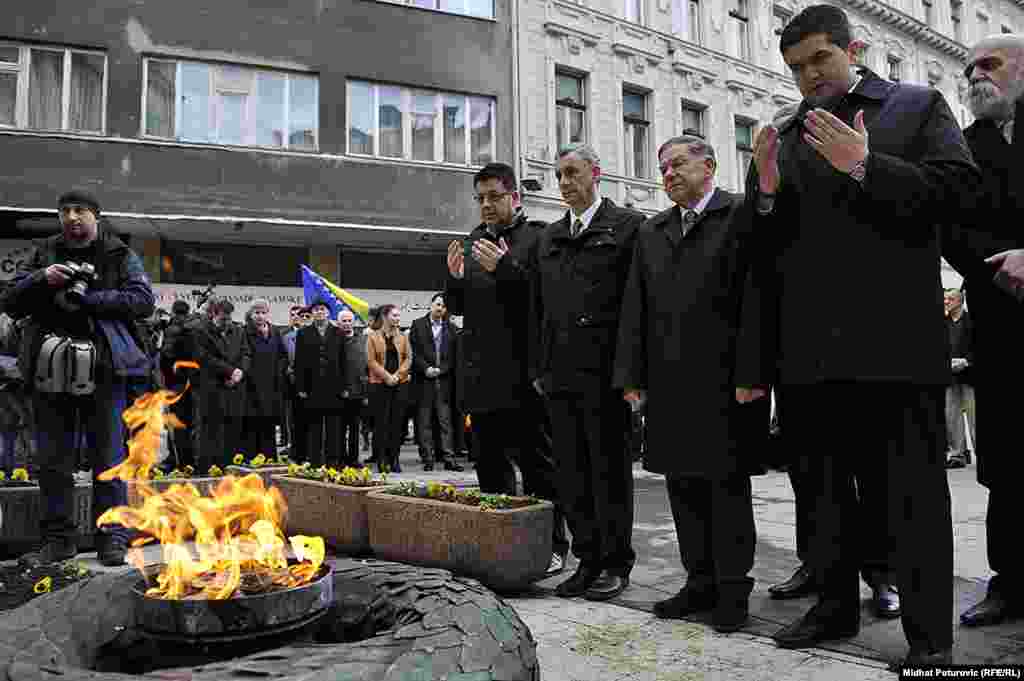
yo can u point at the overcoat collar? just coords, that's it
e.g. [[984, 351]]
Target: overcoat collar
[[669, 221], [871, 86]]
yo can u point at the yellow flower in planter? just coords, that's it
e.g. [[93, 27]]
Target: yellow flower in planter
[[258, 460], [239, 459], [215, 471], [3, 476], [157, 474], [293, 469], [43, 586], [19, 475], [189, 471]]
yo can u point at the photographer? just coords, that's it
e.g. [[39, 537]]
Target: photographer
[[84, 289]]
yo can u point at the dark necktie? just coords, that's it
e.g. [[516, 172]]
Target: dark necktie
[[689, 220], [577, 227]]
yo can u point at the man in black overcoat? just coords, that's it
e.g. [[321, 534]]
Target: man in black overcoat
[[579, 266], [688, 299], [986, 248], [224, 356], [320, 385], [433, 364], [864, 172], [509, 417]]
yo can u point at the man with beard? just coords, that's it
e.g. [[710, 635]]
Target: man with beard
[[866, 170], [987, 248], [688, 298]]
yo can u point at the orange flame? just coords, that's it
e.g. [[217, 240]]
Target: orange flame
[[237, 535]]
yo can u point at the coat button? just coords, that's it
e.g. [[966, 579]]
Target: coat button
[[584, 320]]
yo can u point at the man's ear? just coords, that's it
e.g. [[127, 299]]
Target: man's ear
[[857, 50]]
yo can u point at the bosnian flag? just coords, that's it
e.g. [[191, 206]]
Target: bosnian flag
[[315, 287]]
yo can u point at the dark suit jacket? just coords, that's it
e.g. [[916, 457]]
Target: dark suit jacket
[[825, 226], [689, 312], [989, 223], [577, 284], [494, 346], [320, 368], [421, 337]]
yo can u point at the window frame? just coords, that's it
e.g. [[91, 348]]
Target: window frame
[[214, 112], [564, 106], [437, 8], [894, 65], [408, 94], [743, 30], [23, 71], [629, 129], [744, 153], [700, 110], [640, 9]]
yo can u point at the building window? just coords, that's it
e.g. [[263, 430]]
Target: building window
[[52, 88], [230, 104], [473, 8], [391, 121], [780, 17], [570, 109], [741, 27], [983, 26], [635, 130], [693, 119], [929, 12], [686, 20], [956, 15], [744, 150], [635, 11], [895, 69]]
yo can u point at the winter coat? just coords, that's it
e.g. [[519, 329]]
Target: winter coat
[[320, 368], [267, 378], [219, 353]]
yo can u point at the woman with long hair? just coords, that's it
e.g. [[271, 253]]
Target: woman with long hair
[[389, 362]]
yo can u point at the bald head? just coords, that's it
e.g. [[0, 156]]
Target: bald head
[[995, 71]]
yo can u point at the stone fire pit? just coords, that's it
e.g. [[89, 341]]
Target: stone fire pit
[[388, 621]]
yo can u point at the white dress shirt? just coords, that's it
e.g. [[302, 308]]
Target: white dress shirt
[[587, 216]]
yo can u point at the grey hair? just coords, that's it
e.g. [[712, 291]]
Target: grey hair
[[584, 152], [260, 303], [1001, 40], [694, 144]]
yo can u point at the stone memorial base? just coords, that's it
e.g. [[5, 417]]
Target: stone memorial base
[[388, 621]]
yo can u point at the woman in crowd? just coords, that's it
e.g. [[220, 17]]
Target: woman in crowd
[[266, 382], [389, 362]]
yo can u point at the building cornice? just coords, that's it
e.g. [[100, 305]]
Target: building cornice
[[912, 27]]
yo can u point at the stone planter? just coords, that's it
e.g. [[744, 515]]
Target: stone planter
[[505, 549], [337, 513], [265, 472], [21, 508], [204, 485]]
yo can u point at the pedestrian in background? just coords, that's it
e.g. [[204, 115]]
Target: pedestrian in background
[[267, 382], [355, 397], [224, 356], [389, 363], [960, 393], [320, 386], [431, 338]]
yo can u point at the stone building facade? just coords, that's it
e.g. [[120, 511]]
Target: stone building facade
[[625, 75]]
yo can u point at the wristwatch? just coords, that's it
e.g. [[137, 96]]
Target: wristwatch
[[860, 170]]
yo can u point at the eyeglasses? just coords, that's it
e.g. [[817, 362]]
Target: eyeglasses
[[491, 198]]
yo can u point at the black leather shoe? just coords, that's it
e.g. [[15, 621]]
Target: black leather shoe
[[427, 467], [886, 601], [923, 659], [993, 610], [578, 584], [606, 587], [955, 462], [730, 616], [450, 465], [813, 628], [799, 585], [687, 602], [109, 552]]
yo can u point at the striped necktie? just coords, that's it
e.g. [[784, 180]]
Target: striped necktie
[[577, 227]]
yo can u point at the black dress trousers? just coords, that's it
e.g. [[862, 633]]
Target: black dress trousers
[[897, 459], [595, 474]]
